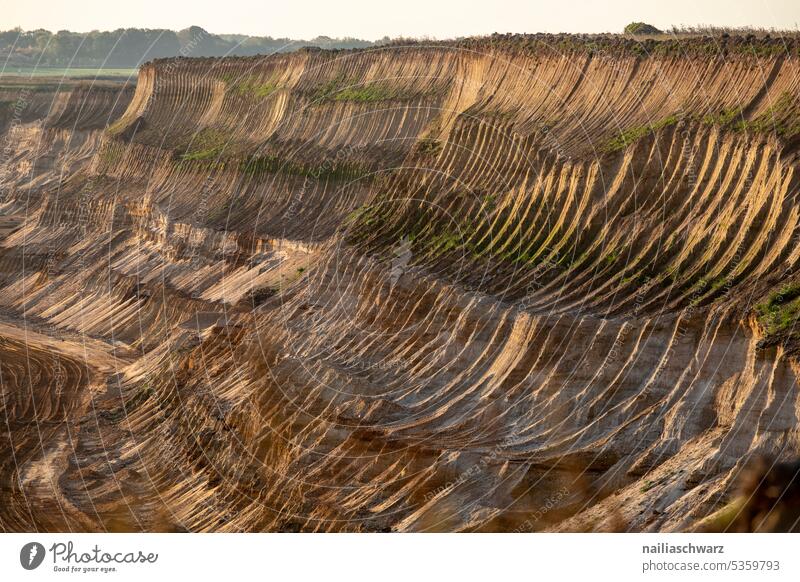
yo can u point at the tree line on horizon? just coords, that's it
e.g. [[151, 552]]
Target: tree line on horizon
[[130, 47]]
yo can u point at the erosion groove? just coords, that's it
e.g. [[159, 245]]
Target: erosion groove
[[476, 286]]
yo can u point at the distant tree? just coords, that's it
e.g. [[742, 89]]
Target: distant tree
[[641, 28]]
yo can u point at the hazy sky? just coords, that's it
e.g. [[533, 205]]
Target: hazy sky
[[371, 19]]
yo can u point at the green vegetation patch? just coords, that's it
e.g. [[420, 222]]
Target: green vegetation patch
[[366, 215], [782, 118], [647, 486], [110, 155], [724, 117], [211, 148], [632, 135], [445, 241], [706, 288], [429, 146], [250, 86], [207, 144], [341, 88], [781, 310]]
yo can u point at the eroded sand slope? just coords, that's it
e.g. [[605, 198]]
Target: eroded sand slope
[[486, 286]]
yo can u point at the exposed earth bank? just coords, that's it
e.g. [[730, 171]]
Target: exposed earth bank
[[505, 284]]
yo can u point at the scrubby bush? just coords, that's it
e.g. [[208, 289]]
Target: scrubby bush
[[641, 28]]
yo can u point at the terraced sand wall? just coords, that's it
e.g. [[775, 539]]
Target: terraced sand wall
[[457, 287]]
